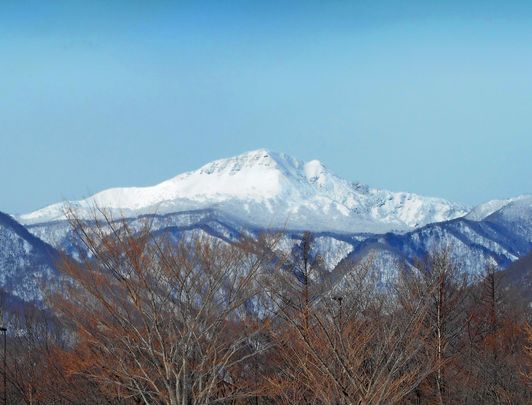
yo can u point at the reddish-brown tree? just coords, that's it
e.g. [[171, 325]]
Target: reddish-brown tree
[[158, 320]]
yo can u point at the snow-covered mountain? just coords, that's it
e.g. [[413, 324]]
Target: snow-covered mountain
[[26, 262], [263, 190], [515, 204], [269, 190]]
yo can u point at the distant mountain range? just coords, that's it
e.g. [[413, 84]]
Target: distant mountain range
[[263, 190]]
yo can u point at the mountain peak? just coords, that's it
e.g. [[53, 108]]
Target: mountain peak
[[260, 158]]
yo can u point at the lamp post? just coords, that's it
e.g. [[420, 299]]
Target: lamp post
[[4, 331], [339, 300]]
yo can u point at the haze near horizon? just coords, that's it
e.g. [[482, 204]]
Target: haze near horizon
[[422, 97]]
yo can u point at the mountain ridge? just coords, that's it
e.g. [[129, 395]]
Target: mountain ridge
[[27, 263], [261, 191], [269, 189]]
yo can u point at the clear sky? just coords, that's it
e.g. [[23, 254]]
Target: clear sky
[[421, 96]]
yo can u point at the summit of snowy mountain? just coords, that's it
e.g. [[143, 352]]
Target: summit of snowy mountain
[[271, 190]]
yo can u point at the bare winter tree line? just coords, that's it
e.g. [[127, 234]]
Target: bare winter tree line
[[148, 318]]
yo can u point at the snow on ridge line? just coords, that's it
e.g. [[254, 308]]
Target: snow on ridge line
[[263, 187], [486, 209]]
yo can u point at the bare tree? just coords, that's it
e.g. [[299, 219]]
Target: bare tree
[[36, 373], [527, 368], [152, 317], [445, 287], [157, 321], [497, 344], [346, 346]]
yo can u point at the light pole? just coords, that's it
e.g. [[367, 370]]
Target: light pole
[[339, 300], [4, 331]]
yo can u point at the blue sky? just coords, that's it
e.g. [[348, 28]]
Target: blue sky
[[428, 97]]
